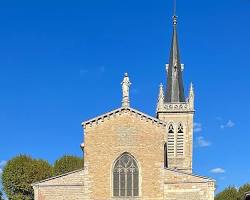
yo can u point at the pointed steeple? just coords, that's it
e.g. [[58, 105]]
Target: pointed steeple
[[175, 89]]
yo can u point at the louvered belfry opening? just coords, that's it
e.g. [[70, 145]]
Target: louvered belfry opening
[[126, 177], [180, 141], [171, 141]]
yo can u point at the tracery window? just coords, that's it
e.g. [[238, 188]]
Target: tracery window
[[180, 140], [171, 140], [125, 177]]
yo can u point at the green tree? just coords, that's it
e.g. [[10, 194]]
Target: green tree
[[242, 191], [229, 193], [67, 163], [1, 195], [20, 172]]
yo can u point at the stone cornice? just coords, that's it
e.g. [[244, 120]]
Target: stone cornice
[[119, 111], [176, 108]]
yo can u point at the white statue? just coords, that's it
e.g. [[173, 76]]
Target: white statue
[[125, 90]]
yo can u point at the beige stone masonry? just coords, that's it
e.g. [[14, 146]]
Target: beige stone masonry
[[114, 133], [185, 186], [70, 186]]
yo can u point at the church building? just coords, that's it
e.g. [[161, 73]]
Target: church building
[[131, 155]]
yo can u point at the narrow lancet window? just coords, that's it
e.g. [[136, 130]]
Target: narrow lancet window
[[165, 156], [126, 177], [180, 141]]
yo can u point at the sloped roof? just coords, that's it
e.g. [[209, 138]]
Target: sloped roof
[[206, 179], [119, 110], [55, 177]]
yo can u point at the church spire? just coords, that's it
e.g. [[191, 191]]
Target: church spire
[[175, 89]]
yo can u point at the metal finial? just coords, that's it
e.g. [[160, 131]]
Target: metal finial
[[174, 16], [174, 19], [174, 7]]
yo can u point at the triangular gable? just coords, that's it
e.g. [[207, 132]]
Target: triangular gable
[[120, 110]]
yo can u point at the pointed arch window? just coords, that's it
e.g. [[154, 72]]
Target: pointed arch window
[[171, 141], [165, 156], [180, 140], [125, 177]]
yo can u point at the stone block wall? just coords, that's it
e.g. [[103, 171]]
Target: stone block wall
[[183, 186], [130, 132], [71, 186]]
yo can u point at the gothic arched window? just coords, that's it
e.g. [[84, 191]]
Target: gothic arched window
[[125, 177], [180, 140], [171, 140], [165, 156]]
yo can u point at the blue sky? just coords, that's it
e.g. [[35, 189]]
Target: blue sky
[[61, 62]]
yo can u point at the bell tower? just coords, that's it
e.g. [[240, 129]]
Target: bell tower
[[177, 111]]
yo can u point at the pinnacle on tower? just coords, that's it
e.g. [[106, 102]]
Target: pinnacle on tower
[[160, 103], [191, 96]]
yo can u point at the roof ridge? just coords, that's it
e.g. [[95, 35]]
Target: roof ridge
[[121, 109], [57, 176], [191, 174]]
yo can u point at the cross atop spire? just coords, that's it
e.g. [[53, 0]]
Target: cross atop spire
[[175, 89]]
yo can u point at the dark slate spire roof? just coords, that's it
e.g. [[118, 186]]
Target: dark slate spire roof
[[175, 89]]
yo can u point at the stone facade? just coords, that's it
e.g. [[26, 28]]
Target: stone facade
[[106, 138], [125, 131], [184, 161]]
